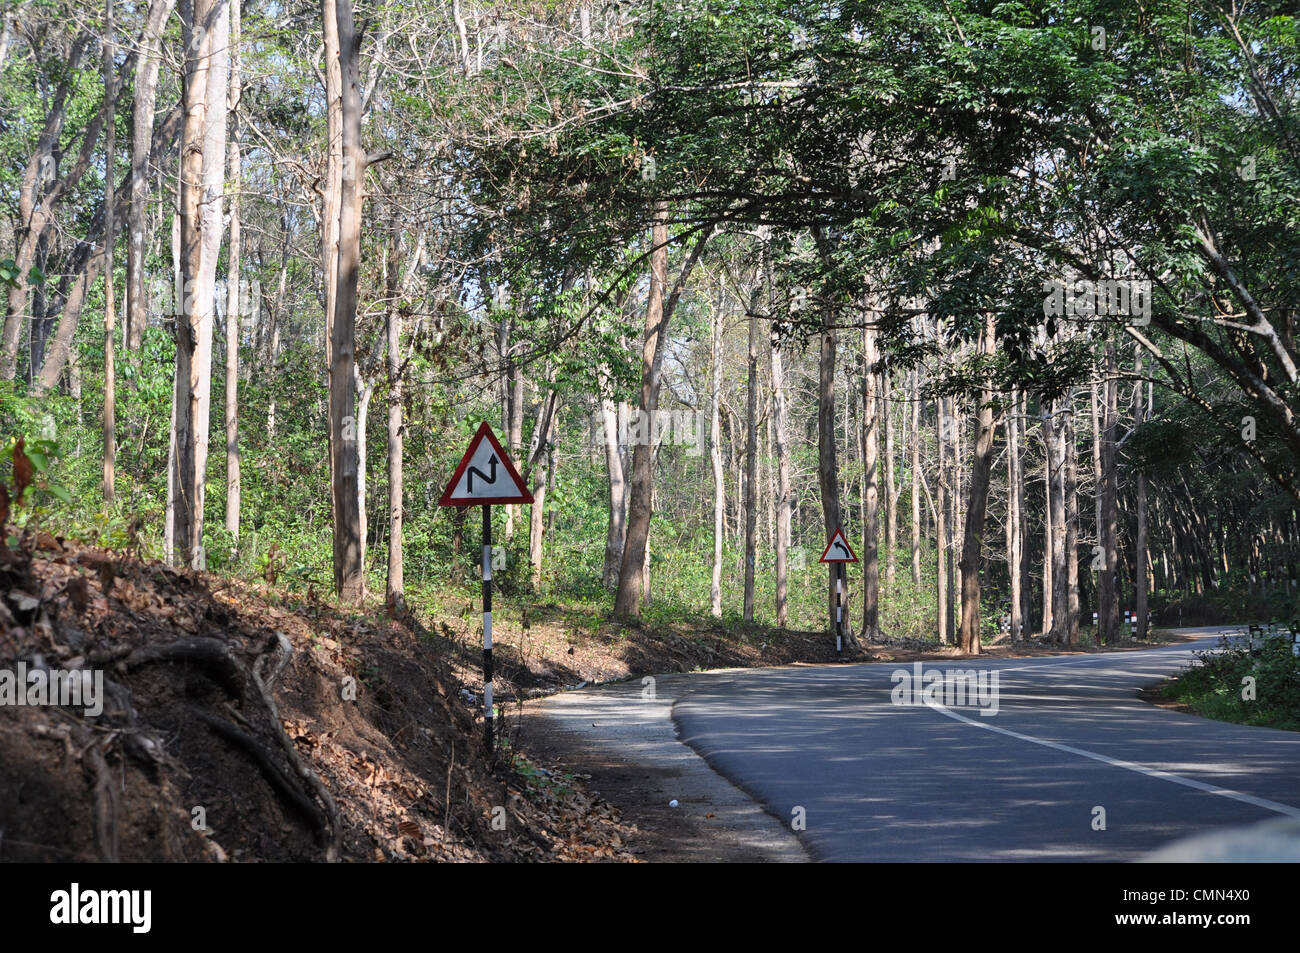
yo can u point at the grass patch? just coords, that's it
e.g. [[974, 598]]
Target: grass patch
[[1245, 686]]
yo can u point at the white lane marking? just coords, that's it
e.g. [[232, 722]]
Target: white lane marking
[[1126, 765]]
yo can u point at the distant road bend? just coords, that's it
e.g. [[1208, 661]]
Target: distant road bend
[[1028, 780]]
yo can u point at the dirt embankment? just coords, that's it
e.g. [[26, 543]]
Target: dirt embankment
[[237, 727]]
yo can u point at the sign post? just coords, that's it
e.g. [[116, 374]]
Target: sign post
[[486, 476], [837, 553]]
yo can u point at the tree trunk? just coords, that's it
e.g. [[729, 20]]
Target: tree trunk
[[1141, 584], [659, 311], [943, 542], [956, 456], [891, 484], [234, 299], [331, 190], [365, 390], [543, 433], [1060, 576], [780, 438], [395, 587], [169, 524], [144, 96], [1049, 508], [37, 204], [972, 553], [617, 525], [1096, 458], [505, 350], [1107, 596], [206, 32], [515, 428], [1015, 528], [86, 265], [871, 480], [715, 461], [342, 46], [6, 36], [627, 603], [110, 236], [751, 456], [1071, 496], [828, 476], [916, 477]]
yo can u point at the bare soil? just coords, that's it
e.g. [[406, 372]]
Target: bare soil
[[398, 774]]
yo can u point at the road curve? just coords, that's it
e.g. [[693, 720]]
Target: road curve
[[873, 780]]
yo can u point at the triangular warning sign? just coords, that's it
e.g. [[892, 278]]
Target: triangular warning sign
[[838, 550], [485, 475]]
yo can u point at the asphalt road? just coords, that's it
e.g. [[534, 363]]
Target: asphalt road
[[938, 781]]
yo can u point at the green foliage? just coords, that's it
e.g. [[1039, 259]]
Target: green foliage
[[37, 427], [1216, 685]]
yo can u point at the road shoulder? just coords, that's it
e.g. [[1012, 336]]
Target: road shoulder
[[623, 737]]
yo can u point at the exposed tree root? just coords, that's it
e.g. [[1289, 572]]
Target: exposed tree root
[[216, 658], [274, 773], [283, 653], [211, 654], [105, 794]]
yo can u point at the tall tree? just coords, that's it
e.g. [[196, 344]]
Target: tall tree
[[715, 454], [915, 402], [110, 237], [627, 602], [972, 553], [343, 92], [234, 295], [1059, 514], [946, 428], [1015, 526], [206, 34], [660, 304], [870, 469], [1141, 584], [1070, 484], [751, 450], [143, 97], [616, 483], [87, 263], [541, 465], [891, 481], [1107, 594], [394, 587], [828, 476], [780, 430]]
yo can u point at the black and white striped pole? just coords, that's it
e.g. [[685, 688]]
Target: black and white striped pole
[[485, 477], [839, 608], [487, 627]]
